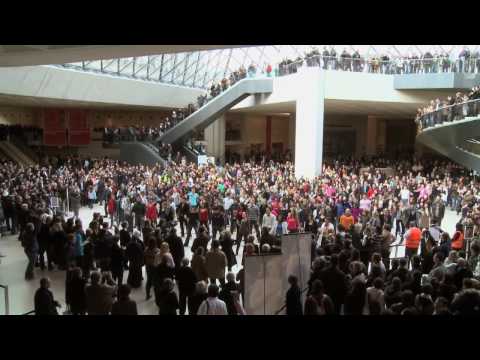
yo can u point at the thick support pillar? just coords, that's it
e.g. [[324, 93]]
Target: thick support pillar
[[371, 143], [291, 134], [309, 123], [268, 135], [215, 139]]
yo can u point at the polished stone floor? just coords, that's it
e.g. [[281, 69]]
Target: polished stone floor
[[21, 291]]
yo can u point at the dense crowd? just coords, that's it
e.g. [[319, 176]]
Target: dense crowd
[[439, 111], [152, 213], [427, 62]]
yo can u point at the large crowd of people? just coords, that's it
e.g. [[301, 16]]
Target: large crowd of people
[[151, 214], [450, 109], [425, 63]]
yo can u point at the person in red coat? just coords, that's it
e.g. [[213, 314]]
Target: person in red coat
[[112, 208], [152, 213]]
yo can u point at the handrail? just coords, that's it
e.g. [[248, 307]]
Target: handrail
[[7, 301], [15, 140], [425, 124]]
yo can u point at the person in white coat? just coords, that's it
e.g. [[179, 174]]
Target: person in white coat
[[213, 305]]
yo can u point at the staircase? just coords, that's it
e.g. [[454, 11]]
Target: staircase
[[14, 153], [211, 111], [457, 140]]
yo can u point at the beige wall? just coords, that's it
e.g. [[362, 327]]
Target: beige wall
[[10, 116], [253, 129], [96, 118]]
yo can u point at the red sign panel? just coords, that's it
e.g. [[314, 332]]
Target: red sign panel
[[77, 120], [54, 133], [78, 130]]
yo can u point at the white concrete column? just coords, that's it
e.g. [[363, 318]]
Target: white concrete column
[[309, 123], [215, 138]]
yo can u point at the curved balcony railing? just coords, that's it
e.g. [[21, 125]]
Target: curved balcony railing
[[449, 113], [397, 65]]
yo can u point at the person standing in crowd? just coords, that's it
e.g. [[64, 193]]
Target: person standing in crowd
[[213, 305], [124, 305], [294, 305], [99, 296], [75, 295], [334, 282], [215, 263], [30, 246], [198, 297], [45, 304], [186, 281], [135, 256], [167, 299], [412, 240], [438, 211]]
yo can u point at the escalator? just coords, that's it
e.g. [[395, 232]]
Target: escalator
[[140, 153], [15, 154], [211, 111], [456, 138]]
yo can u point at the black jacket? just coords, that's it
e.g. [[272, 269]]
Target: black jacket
[[44, 302], [75, 295], [226, 296], [294, 304], [335, 283], [167, 302], [124, 238], [118, 259], [186, 280], [194, 303], [176, 248], [124, 307]]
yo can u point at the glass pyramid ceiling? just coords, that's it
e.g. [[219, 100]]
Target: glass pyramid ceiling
[[201, 68]]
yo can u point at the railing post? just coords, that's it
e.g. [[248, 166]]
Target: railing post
[[7, 301]]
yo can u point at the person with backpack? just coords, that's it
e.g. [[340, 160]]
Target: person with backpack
[[213, 305]]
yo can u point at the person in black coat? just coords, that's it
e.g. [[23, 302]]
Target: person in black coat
[[227, 294], [227, 247], [335, 283], [201, 240], [45, 304], [135, 256], [118, 262], [294, 303], [124, 305], [186, 281], [124, 235], [75, 295], [45, 244], [161, 272], [167, 299], [176, 248], [30, 245]]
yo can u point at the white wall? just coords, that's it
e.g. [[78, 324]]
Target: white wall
[[340, 85], [65, 84]]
